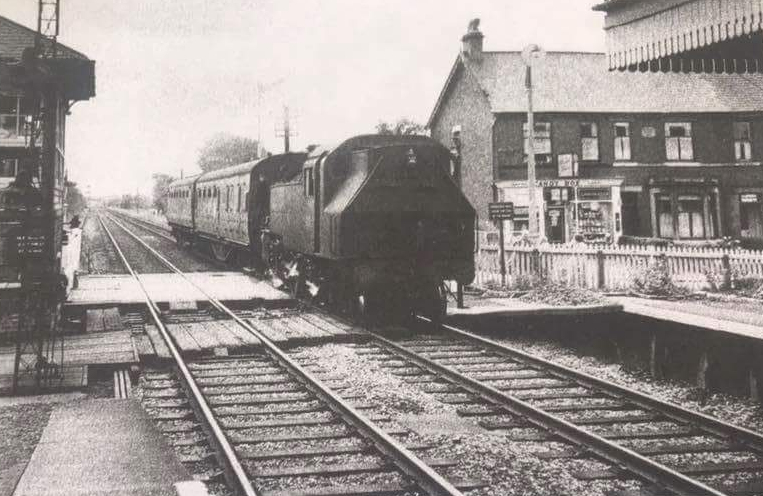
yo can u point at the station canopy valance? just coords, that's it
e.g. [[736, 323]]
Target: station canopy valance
[[698, 35]]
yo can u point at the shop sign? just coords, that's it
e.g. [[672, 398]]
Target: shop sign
[[521, 212], [749, 198], [594, 195], [501, 211], [568, 165], [648, 132]]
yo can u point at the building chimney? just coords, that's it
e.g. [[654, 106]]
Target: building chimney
[[471, 42]]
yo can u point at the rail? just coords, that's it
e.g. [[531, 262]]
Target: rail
[[235, 473], [428, 479]]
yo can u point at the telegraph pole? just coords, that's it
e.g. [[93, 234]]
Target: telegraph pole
[[528, 54], [286, 130]]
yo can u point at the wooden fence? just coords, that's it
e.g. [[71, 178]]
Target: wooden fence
[[613, 267]]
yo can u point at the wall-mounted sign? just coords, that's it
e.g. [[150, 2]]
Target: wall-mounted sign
[[749, 198], [501, 211], [594, 194], [648, 132], [568, 165]]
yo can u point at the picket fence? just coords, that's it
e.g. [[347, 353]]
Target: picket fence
[[613, 268]]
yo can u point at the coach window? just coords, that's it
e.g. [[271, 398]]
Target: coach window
[[238, 202], [309, 182]]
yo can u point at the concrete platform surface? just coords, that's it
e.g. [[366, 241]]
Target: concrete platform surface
[[707, 315], [101, 447], [513, 307], [123, 289]]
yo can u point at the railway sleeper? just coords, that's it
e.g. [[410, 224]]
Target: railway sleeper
[[322, 451], [342, 469], [674, 449], [695, 469], [334, 434]]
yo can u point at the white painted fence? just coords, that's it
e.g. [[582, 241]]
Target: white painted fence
[[613, 267]]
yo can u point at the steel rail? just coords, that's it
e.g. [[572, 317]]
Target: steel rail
[[615, 454], [144, 224], [711, 425], [426, 478], [235, 472]]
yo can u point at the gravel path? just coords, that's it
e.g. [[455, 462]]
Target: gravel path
[[510, 467]]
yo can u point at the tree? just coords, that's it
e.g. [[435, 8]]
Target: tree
[[75, 200], [223, 150], [403, 127], [159, 191]]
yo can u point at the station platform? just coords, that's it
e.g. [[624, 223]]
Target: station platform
[[93, 290], [513, 307], [100, 448], [715, 316]]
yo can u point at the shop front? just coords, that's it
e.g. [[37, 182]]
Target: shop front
[[586, 207]]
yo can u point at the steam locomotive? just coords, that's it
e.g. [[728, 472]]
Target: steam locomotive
[[373, 225]]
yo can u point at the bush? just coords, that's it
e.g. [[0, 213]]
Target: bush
[[655, 280], [559, 294]]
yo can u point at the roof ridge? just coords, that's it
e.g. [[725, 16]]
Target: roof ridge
[[33, 32]]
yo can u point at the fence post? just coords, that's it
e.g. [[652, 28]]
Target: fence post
[[536, 262], [600, 265], [726, 271]]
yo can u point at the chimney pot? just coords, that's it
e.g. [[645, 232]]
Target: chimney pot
[[472, 41]]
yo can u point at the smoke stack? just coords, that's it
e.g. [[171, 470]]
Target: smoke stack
[[471, 42]]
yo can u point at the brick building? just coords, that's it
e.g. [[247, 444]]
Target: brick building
[[664, 154]]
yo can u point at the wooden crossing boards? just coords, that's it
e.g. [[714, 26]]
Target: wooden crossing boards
[[285, 328]]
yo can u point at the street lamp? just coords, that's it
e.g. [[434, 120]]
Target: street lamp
[[529, 54]]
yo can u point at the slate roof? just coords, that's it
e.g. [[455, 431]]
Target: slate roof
[[14, 38], [581, 82]]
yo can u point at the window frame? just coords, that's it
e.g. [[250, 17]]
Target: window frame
[[592, 138], [680, 142], [549, 160], [742, 144], [620, 156]]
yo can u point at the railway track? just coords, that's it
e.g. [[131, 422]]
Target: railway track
[[316, 442], [674, 450], [671, 449]]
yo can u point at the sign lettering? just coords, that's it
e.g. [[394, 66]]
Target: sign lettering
[[501, 211]]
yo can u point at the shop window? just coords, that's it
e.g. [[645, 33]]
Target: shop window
[[631, 219], [664, 216], [589, 141], [691, 219], [750, 218], [742, 142], [678, 144], [622, 141], [8, 167], [542, 142]]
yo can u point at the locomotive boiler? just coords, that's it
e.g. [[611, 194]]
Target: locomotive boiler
[[375, 224]]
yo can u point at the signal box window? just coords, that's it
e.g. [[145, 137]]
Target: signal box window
[[309, 185], [542, 142], [589, 141], [742, 142], [622, 141], [678, 144]]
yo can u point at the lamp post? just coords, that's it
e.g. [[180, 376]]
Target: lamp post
[[530, 53]]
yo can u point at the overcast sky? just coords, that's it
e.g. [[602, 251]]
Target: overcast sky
[[171, 73]]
